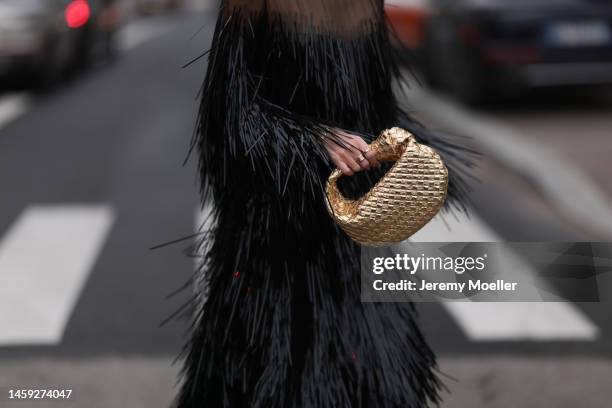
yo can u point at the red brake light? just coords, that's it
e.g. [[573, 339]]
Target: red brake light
[[77, 13]]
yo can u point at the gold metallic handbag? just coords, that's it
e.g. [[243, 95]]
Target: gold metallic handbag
[[406, 198]]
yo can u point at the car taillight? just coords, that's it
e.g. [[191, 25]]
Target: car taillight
[[77, 13]]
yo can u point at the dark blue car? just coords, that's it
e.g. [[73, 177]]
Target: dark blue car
[[481, 48]]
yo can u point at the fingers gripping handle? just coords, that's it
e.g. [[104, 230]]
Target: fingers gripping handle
[[389, 146]]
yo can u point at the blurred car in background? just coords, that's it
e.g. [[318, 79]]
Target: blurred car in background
[[44, 38], [409, 19], [477, 49]]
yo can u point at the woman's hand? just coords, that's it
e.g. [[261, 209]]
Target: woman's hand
[[350, 153]]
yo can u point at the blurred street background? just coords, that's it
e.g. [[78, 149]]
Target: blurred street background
[[95, 125]]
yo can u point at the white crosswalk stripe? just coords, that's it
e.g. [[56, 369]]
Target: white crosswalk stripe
[[544, 321], [48, 253], [138, 32], [45, 259], [12, 106], [488, 321]]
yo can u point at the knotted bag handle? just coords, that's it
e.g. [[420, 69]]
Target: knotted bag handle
[[388, 146]]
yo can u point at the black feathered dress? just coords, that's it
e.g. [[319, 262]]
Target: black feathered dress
[[282, 324]]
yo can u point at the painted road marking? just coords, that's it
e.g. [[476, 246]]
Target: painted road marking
[[498, 321], [557, 177], [142, 31], [13, 106], [456, 228], [45, 259], [522, 321]]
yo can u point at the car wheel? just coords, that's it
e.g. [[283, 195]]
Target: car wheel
[[450, 65], [49, 70]]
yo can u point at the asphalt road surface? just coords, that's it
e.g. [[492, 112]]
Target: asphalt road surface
[[91, 177]]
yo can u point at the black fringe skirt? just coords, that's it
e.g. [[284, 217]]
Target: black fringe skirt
[[282, 324]]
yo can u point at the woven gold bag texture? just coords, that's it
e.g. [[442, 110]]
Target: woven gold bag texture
[[406, 198]]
